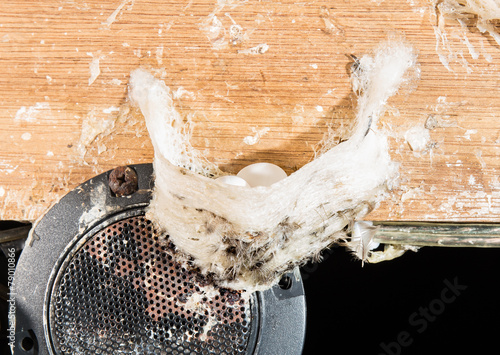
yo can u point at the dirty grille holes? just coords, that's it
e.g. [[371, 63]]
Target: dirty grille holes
[[124, 292]]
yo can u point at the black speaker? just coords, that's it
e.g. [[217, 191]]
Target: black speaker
[[95, 278]]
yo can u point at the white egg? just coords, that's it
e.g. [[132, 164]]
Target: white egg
[[262, 174], [232, 180]]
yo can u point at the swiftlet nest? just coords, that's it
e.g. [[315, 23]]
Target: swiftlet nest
[[247, 237]]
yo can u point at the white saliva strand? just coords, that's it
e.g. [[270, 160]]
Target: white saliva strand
[[247, 237], [155, 101], [378, 77], [485, 11]]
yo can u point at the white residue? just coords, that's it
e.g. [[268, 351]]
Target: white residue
[[251, 140], [137, 53], [417, 138], [329, 25], [112, 17], [2, 192], [259, 19], [93, 127], [111, 109], [31, 113], [236, 34], [479, 157], [319, 108], [490, 28], [7, 168], [181, 92], [97, 207], [26, 136], [159, 55], [472, 180], [330, 91], [259, 49], [468, 133], [215, 32], [94, 67], [412, 193], [195, 303], [484, 13], [434, 121], [101, 148], [444, 61], [443, 46], [472, 51], [485, 54]]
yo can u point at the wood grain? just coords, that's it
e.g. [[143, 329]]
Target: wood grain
[[58, 131]]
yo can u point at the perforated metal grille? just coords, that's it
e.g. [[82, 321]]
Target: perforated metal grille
[[122, 292]]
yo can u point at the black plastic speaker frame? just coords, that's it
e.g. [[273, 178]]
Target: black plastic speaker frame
[[281, 320]]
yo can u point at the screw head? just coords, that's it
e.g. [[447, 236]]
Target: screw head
[[285, 283], [123, 181]]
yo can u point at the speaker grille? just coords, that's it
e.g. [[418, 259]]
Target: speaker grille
[[123, 292]]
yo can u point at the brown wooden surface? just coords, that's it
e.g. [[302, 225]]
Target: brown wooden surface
[[292, 93]]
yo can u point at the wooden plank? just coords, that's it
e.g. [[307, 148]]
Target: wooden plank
[[59, 129]]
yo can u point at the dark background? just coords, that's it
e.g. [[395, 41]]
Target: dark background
[[364, 310], [353, 309]]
